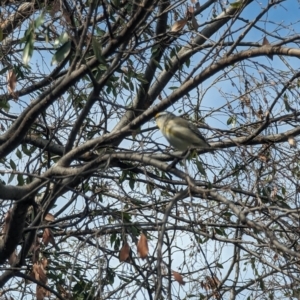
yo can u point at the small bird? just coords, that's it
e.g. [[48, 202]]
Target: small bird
[[180, 133]]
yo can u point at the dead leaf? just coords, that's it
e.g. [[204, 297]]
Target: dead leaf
[[11, 81], [41, 293], [49, 217], [263, 158], [55, 7], [267, 43], [39, 273], [35, 249], [142, 246], [178, 25], [48, 237], [31, 274], [178, 278], [292, 142], [63, 292], [124, 252], [213, 282], [204, 285]]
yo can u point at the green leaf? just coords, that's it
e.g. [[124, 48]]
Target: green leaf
[[286, 103], [200, 167], [39, 21], [61, 53], [19, 154], [4, 70], [131, 180], [155, 48], [123, 176], [113, 238], [188, 62], [149, 188], [11, 177], [1, 34], [230, 120], [62, 39], [4, 105], [261, 284], [25, 150], [141, 78], [20, 179], [12, 164], [98, 51], [237, 4], [131, 86], [219, 231], [28, 50], [157, 64], [131, 183]]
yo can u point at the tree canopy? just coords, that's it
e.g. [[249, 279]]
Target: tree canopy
[[95, 204]]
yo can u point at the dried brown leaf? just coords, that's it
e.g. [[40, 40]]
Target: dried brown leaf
[[63, 292], [213, 282], [39, 273], [205, 285], [48, 237], [178, 25], [55, 7], [142, 246], [49, 217], [216, 281], [11, 81], [263, 158], [124, 252], [178, 278], [31, 274], [41, 293]]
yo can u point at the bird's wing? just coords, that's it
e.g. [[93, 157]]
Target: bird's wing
[[195, 129], [184, 131]]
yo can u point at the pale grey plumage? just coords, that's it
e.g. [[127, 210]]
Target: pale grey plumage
[[180, 133]]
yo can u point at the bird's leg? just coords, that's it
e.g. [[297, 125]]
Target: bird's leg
[[176, 160]]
